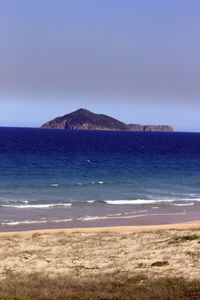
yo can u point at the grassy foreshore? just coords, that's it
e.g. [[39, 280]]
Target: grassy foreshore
[[151, 262]]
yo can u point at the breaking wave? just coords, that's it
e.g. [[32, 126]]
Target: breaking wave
[[92, 218], [37, 205], [34, 222], [141, 201], [183, 204]]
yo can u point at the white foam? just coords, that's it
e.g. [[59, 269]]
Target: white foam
[[190, 199], [138, 201], [22, 222], [55, 184], [61, 220], [100, 182], [183, 204], [14, 202], [38, 205], [92, 218], [113, 215], [35, 222], [90, 201], [143, 201]]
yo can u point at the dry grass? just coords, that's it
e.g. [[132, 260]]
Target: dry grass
[[103, 265], [84, 254], [113, 286]]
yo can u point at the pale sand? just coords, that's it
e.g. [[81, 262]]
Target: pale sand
[[90, 252]]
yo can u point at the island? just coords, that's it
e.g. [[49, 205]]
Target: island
[[83, 119]]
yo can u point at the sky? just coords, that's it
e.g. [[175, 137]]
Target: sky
[[136, 60]]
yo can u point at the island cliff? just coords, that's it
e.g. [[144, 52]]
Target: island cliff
[[83, 119], [138, 127]]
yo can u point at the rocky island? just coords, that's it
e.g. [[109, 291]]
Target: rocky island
[[138, 127], [83, 119]]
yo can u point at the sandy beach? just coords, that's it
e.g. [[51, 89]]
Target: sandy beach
[[119, 229], [162, 250]]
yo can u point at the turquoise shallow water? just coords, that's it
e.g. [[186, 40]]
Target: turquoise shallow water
[[55, 178]]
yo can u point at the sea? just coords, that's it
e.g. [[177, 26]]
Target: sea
[[74, 179]]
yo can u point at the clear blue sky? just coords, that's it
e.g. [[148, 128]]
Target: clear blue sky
[[136, 60]]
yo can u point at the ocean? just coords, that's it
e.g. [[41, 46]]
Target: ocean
[[65, 179]]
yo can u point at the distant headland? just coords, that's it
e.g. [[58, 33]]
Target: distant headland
[[83, 119]]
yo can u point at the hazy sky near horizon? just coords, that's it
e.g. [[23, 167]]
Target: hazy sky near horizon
[[136, 60]]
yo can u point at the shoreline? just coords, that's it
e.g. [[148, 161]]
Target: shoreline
[[119, 229], [100, 252]]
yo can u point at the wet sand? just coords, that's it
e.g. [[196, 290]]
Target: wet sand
[[119, 229], [95, 215]]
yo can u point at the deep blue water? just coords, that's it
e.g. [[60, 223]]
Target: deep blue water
[[51, 178]]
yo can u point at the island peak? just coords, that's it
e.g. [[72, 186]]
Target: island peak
[[83, 119]]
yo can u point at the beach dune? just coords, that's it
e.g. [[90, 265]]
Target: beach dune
[[162, 250]]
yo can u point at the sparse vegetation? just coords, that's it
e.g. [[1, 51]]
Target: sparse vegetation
[[36, 235], [8, 272], [182, 239], [140, 265], [37, 287], [160, 263], [100, 265]]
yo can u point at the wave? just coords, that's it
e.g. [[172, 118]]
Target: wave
[[35, 222], [88, 218], [92, 218], [14, 202], [190, 199], [138, 201], [141, 201], [183, 204], [27, 204], [37, 205]]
